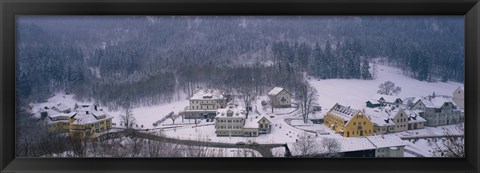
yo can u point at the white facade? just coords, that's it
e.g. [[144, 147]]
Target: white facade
[[232, 121], [439, 110], [280, 98], [459, 97], [204, 104]]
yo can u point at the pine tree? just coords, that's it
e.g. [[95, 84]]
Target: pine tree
[[365, 69]]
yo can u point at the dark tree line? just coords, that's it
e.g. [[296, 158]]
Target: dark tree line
[[153, 59]]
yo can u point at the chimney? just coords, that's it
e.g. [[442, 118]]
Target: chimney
[[95, 107], [87, 112]]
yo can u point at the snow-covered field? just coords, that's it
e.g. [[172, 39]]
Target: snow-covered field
[[287, 125], [355, 92]]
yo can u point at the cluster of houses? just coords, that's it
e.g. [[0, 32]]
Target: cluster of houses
[[231, 119], [84, 122], [389, 114]]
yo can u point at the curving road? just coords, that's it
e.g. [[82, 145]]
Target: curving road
[[263, 149]]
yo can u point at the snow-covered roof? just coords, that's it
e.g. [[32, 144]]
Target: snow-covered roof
[[231, 112], [384, 141], [266, 117], [343, 112], [61, 107], [382, 121], [346, 145], [251, 122], [383, 116], [387, 98], [86, 114], [62, 115], [355, 143], [83, 118], [207, 94], [414, 117], [437, 101], [374, 101], [410, 100], [275, 91]]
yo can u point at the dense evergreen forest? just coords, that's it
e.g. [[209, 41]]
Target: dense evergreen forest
[[140, 60]]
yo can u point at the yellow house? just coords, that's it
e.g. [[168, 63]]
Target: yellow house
[[348, 122], [59, 123], [89, 122], [85, 122]]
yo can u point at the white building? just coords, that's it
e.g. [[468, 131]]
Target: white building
[[439, 110], [391, 119], [459, 97], [232, 121], [280, 98], [387, 145], [204, 104]]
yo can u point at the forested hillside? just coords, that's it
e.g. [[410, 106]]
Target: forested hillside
[[139, 60]]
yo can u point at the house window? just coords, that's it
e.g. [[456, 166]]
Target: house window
[[354, 123]]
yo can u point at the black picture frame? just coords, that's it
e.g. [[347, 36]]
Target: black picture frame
[[10, 8]]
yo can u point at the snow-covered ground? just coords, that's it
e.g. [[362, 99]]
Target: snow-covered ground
[[355, 92], [146, 116], [287, 124]]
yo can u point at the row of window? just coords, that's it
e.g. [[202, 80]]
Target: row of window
[[359, 123], [208, 101], [230, 121], [58, 124], [202, 107], [230, 127], [358, 132], [401, 120], [228, 133]]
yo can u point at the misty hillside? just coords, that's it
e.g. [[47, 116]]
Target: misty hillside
[[140, 60]]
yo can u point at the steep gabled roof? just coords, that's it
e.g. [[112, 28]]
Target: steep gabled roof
[[346, 113], [265, 117], [275, 91]]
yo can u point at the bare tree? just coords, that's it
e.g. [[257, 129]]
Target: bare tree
[[306, 145], [388, 88], [452, 145], [307, 97], [172, 116], [248, 96], [128, 119], [331, 147]]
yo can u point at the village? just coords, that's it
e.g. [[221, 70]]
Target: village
[[383, 126]]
